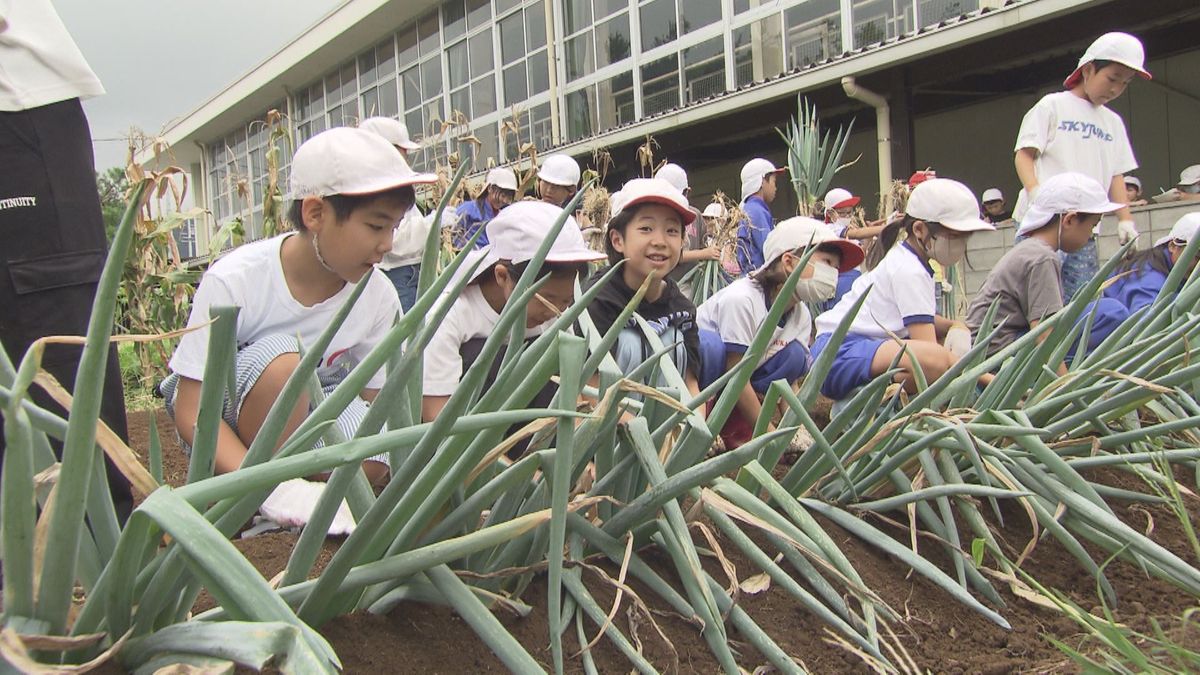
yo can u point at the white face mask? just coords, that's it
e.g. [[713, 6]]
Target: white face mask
[[841, 224], [821, 287], [948, 251]]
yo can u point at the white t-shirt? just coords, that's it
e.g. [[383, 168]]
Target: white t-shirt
[[1071, 134], [251, 277], [902, 294], [738, 311], [469, 317], [408, 241], [39, 62]]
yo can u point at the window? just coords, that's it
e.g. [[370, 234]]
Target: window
[[489, 147], [606, 7], [579, 56], [814, 32], [456, 64], [695, 14], [758, 51], [539, 73], [483, 97], [879, 20], [512, 38], [577, 15], [479, 13], [616, 101], [427, 30], [503, 6], [740, 6], [658, 23], [933, 12], [516, 88], [454, 20], [580, 113], [535, 25], [612, 41], [481, 53], [431, 79], [704, 69], [660, 85], [406, 46]]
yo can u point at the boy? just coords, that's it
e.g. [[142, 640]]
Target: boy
[[1026, 281], [1133, 191], [758, 191], [993, 206], [558, 179], [1072, 130]]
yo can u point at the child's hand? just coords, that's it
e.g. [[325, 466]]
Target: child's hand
[[958, 340]]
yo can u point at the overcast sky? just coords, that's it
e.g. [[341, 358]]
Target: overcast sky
[[160, 59]]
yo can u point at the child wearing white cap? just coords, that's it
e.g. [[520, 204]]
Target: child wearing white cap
[[734, 315], [758, 191], [1138, 280], [940, 215], [646, 231], [1073, 130], [1188, 188], [1026, 283], [695, 248], [993, 206], [1133, 191], [499, 190], [558, 179], [514, 237], [349, 189]]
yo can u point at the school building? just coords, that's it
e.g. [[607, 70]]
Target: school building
[[926, 83]]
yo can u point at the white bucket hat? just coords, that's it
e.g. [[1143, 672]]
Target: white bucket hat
[[714, 210], [1190, 175], [502, 178], [753, 173], [675, 175], [348, 161], [799, 232], [1062, 193], [560, 170], [393, 131], [840, 198], [1183, 231], [992, 195], [516, 233], [1121, 48], [947, 202], [651, 191]]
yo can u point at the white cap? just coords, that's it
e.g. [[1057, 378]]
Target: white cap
[[675, 175], [714, 210], [1062, 193], [560, 170], [992, 195], [348, 161], [503, 178], [947, 202], [1183, 230], [1133, 180], [840, 198], [753, 173], [393, 131], [799, 232], [518, 230], [1190, 175], [1121, 48], [651, 191]]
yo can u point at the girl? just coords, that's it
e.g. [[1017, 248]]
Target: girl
[[730, 319], [1139, 279], [646, 231], [940, 216], [498, 193]]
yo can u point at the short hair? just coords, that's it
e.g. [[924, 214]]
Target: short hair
[[617, 223], [548, 268], [344, 205]]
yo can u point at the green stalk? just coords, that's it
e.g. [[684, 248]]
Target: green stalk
[[222, 339], [485, 625], [572, 351]]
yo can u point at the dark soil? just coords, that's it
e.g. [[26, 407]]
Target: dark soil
[[940, 634]]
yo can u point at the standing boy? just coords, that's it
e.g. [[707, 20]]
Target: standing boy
[[1072, 130], [758, 191]]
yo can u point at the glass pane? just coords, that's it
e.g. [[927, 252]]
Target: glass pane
[[415, 124], [370, 103], [758, 51], [699, 13], [660, 85], [454, 19], [933, 12], [434, 116], [814, 32], [333, 87], [577, 14], [704, 69], [541, 126], [350, 112], [503, 6], [335, 117], [512, 38], [412, 87], [515, 87], [616, 101], [456, 64], [431, 79], [479, 12], [489, 145], [389, 105], [385, 58], [483, 95], [460, 102], [740, 6], [516, 133], [579, 56], [535, 25], [406, 46], [879, 20], [481, 53], [366, 69], [612, 41], [658, 24], [349, 86], [427, 29], [539, 73], [606, 7], [579, 114]]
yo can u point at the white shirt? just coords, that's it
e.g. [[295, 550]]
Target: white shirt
[[469, 317], [1071, 134], [902, 294], [408, 241], [739, 310], [251, 277], [39, 62]]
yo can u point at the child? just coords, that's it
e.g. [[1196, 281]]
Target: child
[[993, 206], [514, 235], [1139, 279], [695, 247], [1072, 130], [646, 231], [731, 318], [1026, 281], [758, 191], [498, 192], [1188, 188], [1133, 191], [941, 214], [349, 190], [558, 180]]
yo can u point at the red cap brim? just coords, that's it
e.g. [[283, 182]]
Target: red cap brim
[[686, 214], [852, 254], [847, 203]]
